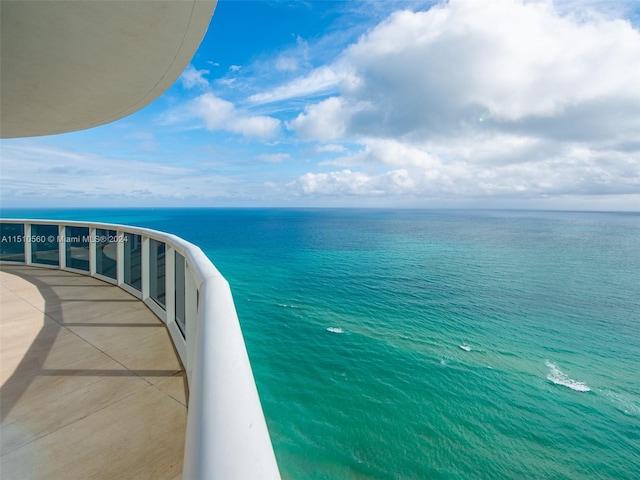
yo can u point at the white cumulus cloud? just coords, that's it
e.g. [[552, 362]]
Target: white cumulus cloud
[[322, 121], [469, 98], [192, 77], [504, 62], [219, 114]]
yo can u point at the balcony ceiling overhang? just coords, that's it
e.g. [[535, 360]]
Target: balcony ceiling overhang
[[72, 65]]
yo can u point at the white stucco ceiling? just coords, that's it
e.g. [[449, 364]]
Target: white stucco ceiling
[[72, 65]]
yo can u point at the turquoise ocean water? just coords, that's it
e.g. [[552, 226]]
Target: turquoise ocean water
[[432, 344]]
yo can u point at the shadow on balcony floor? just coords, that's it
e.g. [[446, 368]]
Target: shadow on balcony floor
[[91, 384]]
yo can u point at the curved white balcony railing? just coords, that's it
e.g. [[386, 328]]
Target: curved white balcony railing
[[227, 436]]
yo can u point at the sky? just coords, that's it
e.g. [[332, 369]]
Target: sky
[[409, 104]]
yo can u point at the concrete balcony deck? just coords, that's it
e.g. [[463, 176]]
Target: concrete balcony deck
[[91, 384]]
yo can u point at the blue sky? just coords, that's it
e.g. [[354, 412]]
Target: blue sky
[[501, 104]]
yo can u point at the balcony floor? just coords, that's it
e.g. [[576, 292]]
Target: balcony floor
[[91, 384]]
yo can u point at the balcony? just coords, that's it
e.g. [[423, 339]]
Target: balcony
[[108, 333]]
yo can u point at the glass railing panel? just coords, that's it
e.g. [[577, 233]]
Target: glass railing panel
[[157, 271], [133, 260], [77, 248], [106, 253], [12, 242], [44, 244], [180, 292]]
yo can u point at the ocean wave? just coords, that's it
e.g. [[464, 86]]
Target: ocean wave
[[558, 377], [335, 330], [625, 404]]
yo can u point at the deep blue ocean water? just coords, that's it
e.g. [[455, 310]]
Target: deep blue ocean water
[[411, 344]]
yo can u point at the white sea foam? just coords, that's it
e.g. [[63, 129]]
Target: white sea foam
[[335, 330], [625, 404], [284, 305], [466, 348], [558, 377]]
